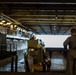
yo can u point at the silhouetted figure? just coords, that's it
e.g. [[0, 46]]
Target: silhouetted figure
[[70, 46], [44, 65], [27, 64], [50, 53], [48, 65]]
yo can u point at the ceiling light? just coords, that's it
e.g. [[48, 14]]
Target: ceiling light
[[3, 21], [8, 23], [15, 26]]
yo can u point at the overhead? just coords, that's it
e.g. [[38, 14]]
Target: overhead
[[55, 17]]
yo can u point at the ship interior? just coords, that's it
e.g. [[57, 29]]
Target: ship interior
[[20, 22]]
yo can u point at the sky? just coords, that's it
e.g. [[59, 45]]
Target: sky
[[53, 40]]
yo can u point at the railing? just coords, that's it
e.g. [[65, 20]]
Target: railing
[[7, 57]]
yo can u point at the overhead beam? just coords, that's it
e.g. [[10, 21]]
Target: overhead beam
[[42, 29], [50, 28], [67, 30], [51, 21], [59, 27], [45, 19], [61, 24], [22, 16], [16, 6], [37, 0], [41, 14], [33, 30]]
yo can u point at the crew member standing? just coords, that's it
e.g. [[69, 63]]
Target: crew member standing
[[71, 52]]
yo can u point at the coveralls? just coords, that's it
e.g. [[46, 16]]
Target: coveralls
[[71, 52]]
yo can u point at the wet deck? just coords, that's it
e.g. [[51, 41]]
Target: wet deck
[[58, 63], [58, 66]]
